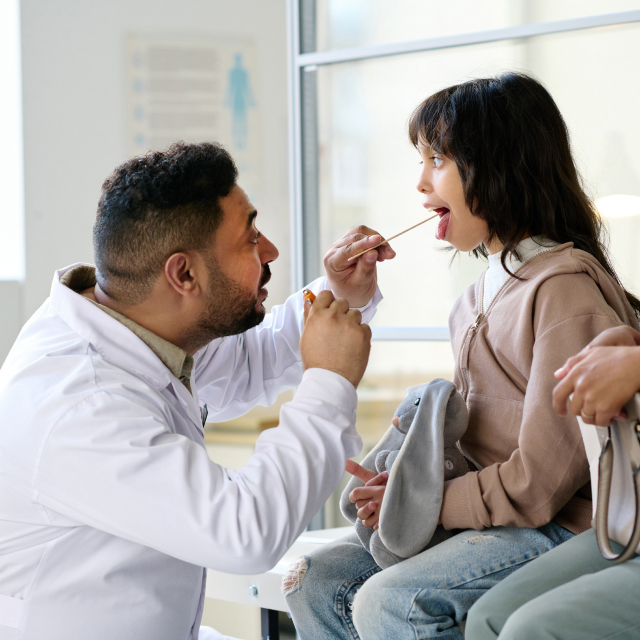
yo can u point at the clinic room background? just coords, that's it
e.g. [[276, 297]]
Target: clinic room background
[[312, 98]]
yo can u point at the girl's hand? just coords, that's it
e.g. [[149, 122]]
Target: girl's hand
[[601, 379], [368, 499]]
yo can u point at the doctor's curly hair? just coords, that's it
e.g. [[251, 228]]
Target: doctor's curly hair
[[153, 206]]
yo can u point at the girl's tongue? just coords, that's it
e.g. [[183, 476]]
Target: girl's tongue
[[443, 223]]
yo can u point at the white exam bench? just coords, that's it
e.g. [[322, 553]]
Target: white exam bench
[[264, 589]]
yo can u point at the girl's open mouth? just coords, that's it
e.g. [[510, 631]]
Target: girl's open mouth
[[443, 224]]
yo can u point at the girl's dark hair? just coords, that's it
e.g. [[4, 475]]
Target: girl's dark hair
[[511, 146]]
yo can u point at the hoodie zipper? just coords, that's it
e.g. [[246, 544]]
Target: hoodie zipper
[[463, 360]]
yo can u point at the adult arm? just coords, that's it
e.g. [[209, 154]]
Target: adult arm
[[131, 476], [599, 380], [236, 373]]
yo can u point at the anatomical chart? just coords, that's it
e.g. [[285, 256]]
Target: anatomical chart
[[195, 88]]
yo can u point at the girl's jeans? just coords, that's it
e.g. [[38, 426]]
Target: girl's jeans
[[340, 592]]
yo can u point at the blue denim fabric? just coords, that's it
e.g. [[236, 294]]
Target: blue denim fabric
[[426, 596]]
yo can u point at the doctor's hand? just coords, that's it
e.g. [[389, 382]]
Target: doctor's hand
[[357, 280], [334, 338], [368, 499]]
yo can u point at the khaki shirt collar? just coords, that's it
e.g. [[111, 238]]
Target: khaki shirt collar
[[179, 362]]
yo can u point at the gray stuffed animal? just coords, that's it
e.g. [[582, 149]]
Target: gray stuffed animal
[[419, 454]]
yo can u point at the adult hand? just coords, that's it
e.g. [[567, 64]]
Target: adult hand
[[356, 280], [599, 380], [334, 338], [368, 499]]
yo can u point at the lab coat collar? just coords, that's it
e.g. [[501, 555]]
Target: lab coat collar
[[115, 342]]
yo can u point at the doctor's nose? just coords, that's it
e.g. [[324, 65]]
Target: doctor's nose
[[268, 250]]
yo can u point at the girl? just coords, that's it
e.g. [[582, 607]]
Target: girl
[[497, 167]]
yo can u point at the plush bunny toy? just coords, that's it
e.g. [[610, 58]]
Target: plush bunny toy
[[419, 454]]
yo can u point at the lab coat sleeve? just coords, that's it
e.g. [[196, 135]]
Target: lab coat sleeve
[[112, 463], [236, 373]]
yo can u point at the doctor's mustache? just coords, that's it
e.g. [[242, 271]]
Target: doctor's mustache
[[266, 275]]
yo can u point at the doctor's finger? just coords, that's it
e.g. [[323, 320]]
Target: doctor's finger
[[305, 311]]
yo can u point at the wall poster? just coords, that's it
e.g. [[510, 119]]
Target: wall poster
[[195, 88]]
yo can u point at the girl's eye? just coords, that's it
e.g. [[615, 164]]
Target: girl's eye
[[437, 161], [256, 238]]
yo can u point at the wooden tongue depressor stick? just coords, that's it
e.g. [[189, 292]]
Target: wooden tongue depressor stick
[[391, 238]]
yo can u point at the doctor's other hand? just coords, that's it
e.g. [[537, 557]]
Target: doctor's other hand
[[356, 280], [334, 338]]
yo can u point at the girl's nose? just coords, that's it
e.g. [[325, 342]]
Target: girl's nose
[[424, 184]]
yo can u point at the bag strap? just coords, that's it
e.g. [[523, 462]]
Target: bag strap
[[605, 473]]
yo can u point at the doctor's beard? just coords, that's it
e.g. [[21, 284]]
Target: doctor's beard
[[230, 309]]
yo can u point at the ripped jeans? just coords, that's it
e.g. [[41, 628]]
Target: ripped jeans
[[340, 592]]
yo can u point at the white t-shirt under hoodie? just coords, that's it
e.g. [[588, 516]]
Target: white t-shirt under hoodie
[[495, 276]]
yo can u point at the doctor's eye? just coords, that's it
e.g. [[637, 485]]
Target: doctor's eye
[[256, 238]]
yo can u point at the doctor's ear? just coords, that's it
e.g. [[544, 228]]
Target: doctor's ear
[[185, 273]]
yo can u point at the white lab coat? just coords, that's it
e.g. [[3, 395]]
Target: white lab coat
[[109, 505]]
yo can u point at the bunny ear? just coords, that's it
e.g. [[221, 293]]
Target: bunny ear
[[413, 498]]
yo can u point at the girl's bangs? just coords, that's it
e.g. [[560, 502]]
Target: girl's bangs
[[429, 123]]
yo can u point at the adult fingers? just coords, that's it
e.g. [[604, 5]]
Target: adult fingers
[[340, 305], [357, 244], [385, 252], [570, 363], [355, 314], [323, 301], [561, 394], [305, 311]]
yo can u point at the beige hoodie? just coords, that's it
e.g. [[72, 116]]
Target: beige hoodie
[[531, 462]]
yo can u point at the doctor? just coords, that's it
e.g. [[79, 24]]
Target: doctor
[[109, 505]]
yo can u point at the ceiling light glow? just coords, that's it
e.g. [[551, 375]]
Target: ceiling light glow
[[618, 206]]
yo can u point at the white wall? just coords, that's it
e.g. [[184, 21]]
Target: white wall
[[75, 125]]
